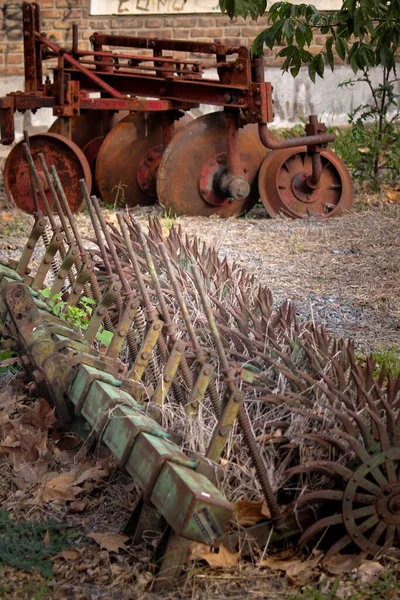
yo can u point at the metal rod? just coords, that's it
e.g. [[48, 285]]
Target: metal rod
[[56, 200], [38, 212], [67, 209], [117, 263], [39, 186]]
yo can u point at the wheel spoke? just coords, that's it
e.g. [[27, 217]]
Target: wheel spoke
[[338, 546], [389, 537], [377, 533]]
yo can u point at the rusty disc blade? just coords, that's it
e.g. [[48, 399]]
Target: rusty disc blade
[[283, 188], [121, 154], [88, 131], [65, 155], [185, 158]]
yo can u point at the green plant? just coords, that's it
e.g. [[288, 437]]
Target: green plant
[[366, 33], [29, 544], [389, 358], [119, 201], [168, 219], [79, 315]]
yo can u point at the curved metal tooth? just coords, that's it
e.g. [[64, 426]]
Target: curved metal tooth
[[320, 525], [332, 469], [363, 456], [317, 496], [324, 467], [325, 440], [366, 434]]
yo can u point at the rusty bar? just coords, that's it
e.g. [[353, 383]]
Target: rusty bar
[[28, 17], [117, 263], [39, 186], [235, 166], [67, 209], [56, 200], [273, 143], [31, 179], [150, 310], [75, 37]]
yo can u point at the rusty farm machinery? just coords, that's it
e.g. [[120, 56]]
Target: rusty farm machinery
[[123, 124], [204, 392]]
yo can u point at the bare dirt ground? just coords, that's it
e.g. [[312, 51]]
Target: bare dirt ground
[[342, 273]]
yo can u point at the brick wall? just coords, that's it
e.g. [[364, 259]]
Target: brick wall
[[57, 17]]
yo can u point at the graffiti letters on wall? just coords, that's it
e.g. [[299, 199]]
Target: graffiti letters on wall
[[152, 7], [162, 7], [11, 20]]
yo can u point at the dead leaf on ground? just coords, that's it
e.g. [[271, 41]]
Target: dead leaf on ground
[[41, 415], [197, 550], [60, 489], [6, 216], [78, 505], [369, 570], [394, 195], [223, 559], [342, 563], [91, 473], [248, 513], [67, 555], [297, 571], [46, 540], [7, 399], [109, 541]]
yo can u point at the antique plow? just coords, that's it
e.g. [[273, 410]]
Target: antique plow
[[123, 123]]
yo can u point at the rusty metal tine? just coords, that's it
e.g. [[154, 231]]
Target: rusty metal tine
[[93, 201], [33, 187], [210, 318], [96, 230], [117, 263], [56, 201], [180, 299], [39, 186], [151, 313], [66, 207], [153, 274]]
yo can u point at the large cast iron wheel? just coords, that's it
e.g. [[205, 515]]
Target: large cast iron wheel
[[193, 156], [65, 155], [283, 187], [132, 149]]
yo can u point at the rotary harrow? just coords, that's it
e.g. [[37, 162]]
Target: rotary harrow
[[204, 393], [123, 123]]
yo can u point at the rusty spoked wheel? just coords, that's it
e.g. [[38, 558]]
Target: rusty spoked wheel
[[127, 163], [366, 490], [283, 184], [196, 158], [65, 155]]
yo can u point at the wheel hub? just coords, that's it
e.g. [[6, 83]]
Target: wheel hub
[[302, 190], [148, 169], [215, 185]]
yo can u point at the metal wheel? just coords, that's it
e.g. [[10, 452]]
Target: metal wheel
[[128, 159], [68, 159], [283, 187], [364, 502], [192, 160]]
